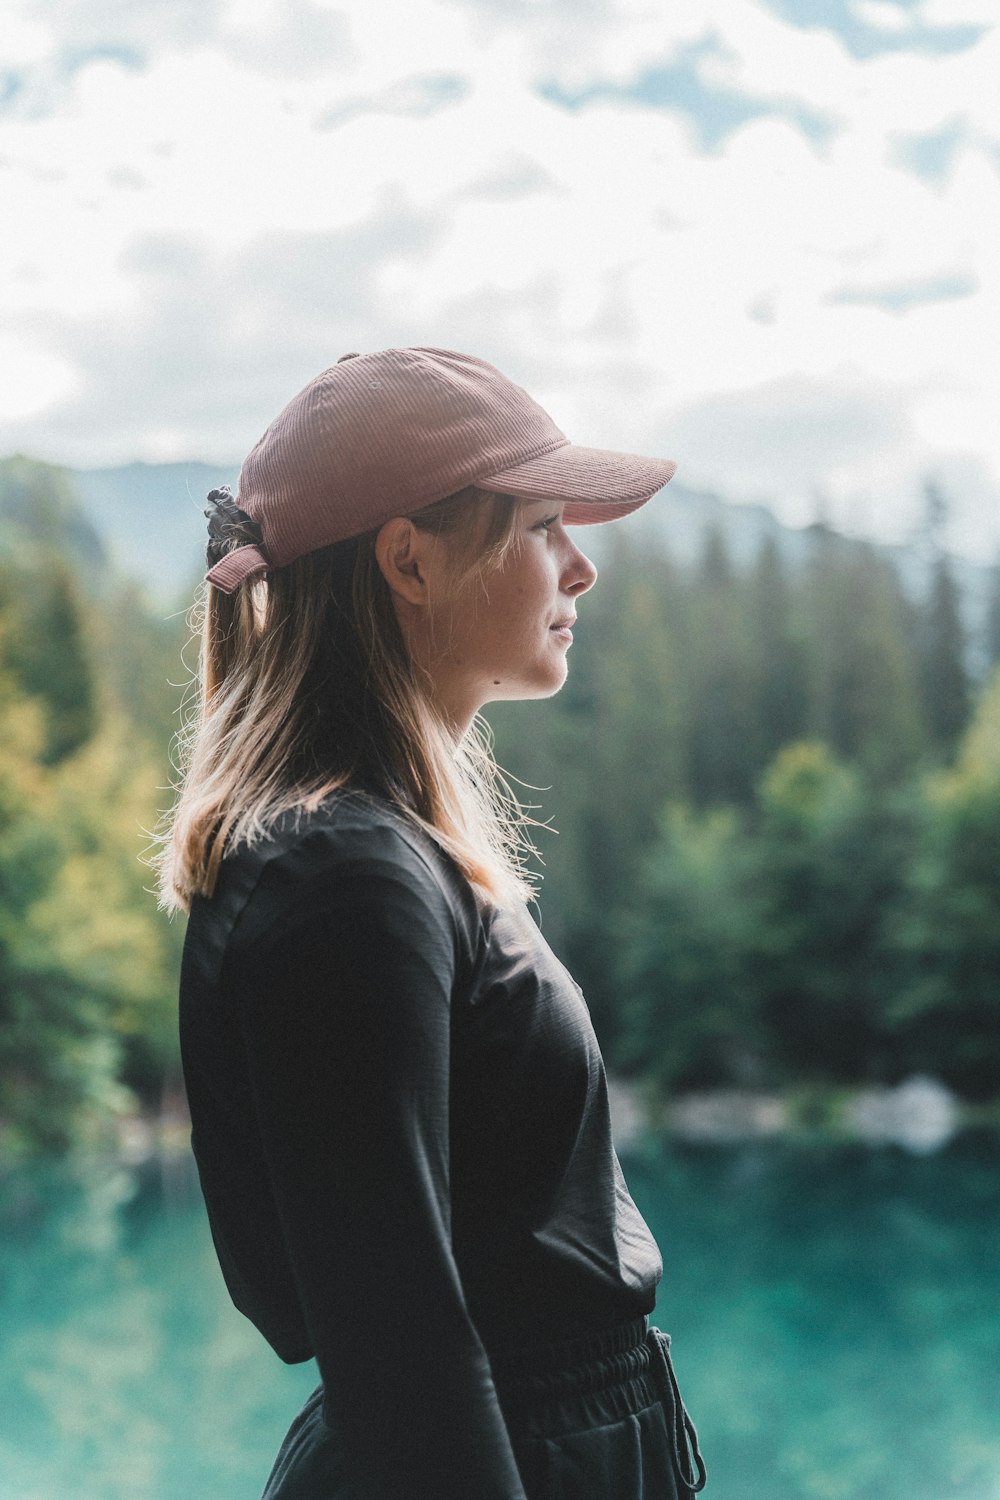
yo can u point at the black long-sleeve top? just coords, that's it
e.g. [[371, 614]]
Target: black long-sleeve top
[[401, 1124]]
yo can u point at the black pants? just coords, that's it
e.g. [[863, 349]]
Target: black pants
[[594, 1418]]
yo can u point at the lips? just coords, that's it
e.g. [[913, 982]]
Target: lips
[[566, 624]]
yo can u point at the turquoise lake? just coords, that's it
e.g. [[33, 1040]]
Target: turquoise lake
[[835, 1312]]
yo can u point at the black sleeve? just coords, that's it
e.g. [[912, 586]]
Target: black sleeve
[[347, 1030]]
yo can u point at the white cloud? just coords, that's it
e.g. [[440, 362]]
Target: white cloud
[[883, 15], [25, 39], [187, 242], [296, 38], [30, 379], [959, 12], [75, 27]]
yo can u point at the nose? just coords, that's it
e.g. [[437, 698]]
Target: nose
[[579, 574]]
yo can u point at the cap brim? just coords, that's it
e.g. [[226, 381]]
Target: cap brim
[[596, 483]]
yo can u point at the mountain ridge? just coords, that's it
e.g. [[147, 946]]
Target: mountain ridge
[[148, 520]]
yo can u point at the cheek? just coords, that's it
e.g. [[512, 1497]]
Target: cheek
[[510, 622]]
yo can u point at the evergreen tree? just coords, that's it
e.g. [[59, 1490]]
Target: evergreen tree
[[48, 653], [715, 568], [56, 1061], [829, 860], [722, 735], [947, 933], [993, 617], [865, 696], [780, 677], [944, 679], [935, 516], [687, 1012], [87, 968]]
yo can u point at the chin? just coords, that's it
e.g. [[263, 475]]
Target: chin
[[545, 685]]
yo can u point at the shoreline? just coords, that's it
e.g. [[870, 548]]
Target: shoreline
[[920, 1114]]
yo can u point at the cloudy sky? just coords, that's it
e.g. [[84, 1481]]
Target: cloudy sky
[[758, 236]]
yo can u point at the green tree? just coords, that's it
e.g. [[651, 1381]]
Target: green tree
[[47, 651], [830, 858], [87, 967], [780, 679], [58, 1064], [722, 734], [147, 659], [865, 697], [943, 676], [993, 617], [688, 1014], [99, 919], [946, 1015]]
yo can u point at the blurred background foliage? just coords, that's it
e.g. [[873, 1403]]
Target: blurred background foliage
[[87, 965], [777, 792]]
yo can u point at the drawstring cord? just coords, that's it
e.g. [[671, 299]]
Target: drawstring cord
[[684, 1438]]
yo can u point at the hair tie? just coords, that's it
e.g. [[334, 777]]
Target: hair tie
[[229, 527]]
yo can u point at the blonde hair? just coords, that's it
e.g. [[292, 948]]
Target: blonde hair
[[306, 687]]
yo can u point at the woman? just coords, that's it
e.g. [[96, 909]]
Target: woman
[[399, 1108]]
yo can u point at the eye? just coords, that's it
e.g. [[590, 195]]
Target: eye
[[546, 523]]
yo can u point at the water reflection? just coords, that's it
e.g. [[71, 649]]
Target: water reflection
[[836, 1313], [124, 1373]]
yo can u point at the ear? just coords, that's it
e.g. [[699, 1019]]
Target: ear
[[400, 552]]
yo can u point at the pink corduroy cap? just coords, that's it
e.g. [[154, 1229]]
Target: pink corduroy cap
[[386, 434]]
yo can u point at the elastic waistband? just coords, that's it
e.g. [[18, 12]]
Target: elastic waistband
[[583, 1365], [627, 1366]]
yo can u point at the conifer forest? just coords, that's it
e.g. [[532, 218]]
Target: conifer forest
[[776, 793]]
